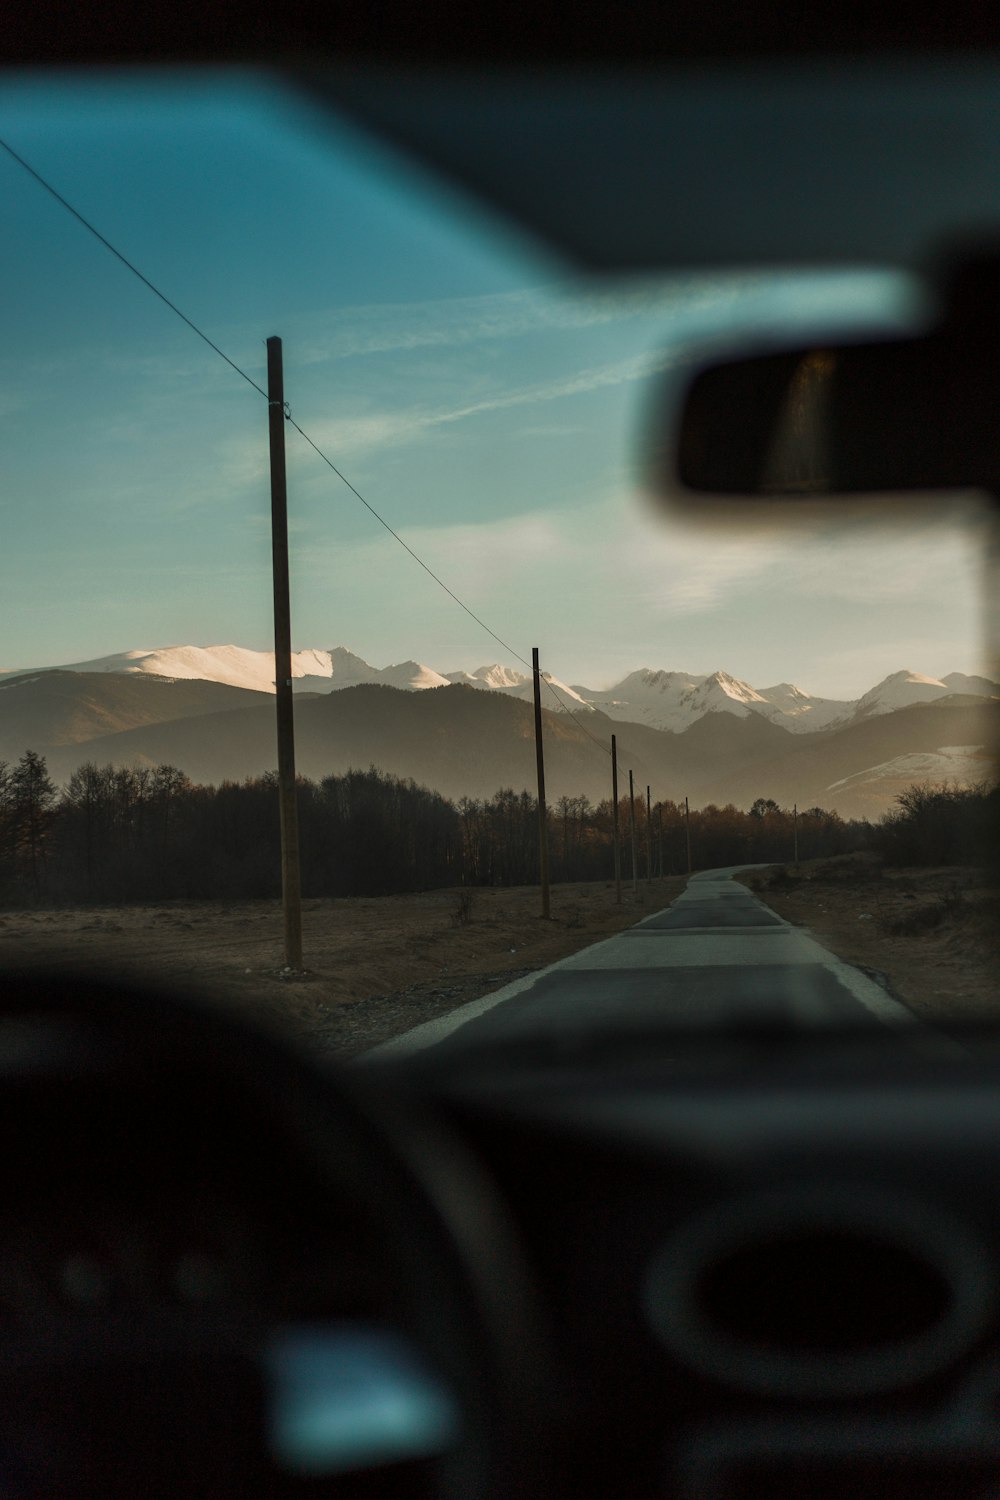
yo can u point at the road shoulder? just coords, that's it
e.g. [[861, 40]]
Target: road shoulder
[[928, 936]]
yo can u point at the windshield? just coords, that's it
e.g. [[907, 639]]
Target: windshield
[[808, 708]]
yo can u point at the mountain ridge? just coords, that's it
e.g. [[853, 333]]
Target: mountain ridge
[[468, 743], [662, 699]]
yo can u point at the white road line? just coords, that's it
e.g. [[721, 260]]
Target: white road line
[[644, 948], [430, 1032]]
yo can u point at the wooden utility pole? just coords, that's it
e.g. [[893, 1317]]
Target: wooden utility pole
[[795, 830], [291, 885], [659, 841], [543, 838], [614, 814], [649, 839], [687, 827], [631, 824]]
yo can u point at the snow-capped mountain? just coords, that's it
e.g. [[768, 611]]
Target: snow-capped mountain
[[900, 689], [499, 679], [674, 700], [234, 665], [803, 712], [347, 670], [660, 699], [237, 666], [496, 677]]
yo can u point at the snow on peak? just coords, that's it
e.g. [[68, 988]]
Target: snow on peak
[[557, 696], [674, 700], [412, 676], [900, 690], [340, 668], [498, 676], [916, 678], [732, 687], [234, 665], [313, 670], [563, 699], [515, 684], [785, 695], [801, 712], [670, 700], [495, 676]]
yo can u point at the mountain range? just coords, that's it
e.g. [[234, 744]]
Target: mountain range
[[661, 699], [209, 710]]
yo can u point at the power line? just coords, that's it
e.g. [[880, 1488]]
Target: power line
[[250, 381], [573, 713], [92, 229], [440, 582], [416, 558], [126, 262], [461, 604]]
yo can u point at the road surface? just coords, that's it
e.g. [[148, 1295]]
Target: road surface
[[716, 957]]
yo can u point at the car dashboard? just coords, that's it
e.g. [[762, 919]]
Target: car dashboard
[[772, 1265], [674, 1265]]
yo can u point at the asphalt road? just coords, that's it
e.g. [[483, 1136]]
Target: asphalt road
[[716, 957]]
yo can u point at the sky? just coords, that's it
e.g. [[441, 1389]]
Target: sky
[[488, 403]]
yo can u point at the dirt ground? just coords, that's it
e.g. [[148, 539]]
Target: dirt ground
[[375, 966], [932, 935]]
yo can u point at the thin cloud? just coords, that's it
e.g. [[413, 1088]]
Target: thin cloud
[[677, 572], [597, 551], [376, 429], [680, 577], [691, 306], [386, 327]]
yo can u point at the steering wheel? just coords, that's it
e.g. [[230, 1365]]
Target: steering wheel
[[121, 1095]]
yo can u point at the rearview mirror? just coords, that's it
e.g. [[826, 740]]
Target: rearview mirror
[[910, 414]]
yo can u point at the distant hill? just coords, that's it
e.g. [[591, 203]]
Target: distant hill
[[459, 741], [466, 742], [63, 708], [861, 768]]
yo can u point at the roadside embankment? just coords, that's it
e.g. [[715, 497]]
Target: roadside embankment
[[932, 934], [375, 966]]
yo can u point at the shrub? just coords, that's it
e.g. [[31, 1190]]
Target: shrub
[[941, 825]]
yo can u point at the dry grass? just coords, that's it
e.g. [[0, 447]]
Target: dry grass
[[933, 933], [375, 966]]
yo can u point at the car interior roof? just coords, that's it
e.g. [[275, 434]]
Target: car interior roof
[[831, 106], [595, 31]]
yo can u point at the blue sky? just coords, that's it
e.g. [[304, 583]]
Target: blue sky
[[484, 401]]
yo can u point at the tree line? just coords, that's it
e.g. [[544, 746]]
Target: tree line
[[119, 834], [941, 825]]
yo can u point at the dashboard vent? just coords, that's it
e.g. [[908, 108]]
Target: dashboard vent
[[823, 1291], [819, 1294]]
